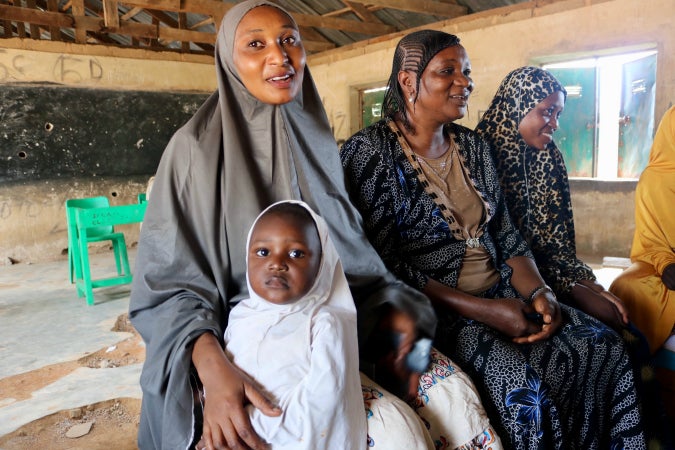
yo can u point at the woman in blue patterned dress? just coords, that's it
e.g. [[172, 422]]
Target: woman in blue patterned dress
[[550, 376]]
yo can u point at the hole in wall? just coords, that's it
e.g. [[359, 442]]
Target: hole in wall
[[49, 127], [114, 194], [22, 155]]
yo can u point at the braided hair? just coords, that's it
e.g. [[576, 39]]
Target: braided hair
[[413, 53]]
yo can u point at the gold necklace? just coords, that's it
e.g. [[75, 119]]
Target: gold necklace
[[440, 166]]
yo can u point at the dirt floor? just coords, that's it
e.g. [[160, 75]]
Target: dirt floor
[[114, 423], [104, 425]]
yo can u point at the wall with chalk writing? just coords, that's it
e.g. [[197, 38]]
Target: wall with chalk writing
[[74, 126]]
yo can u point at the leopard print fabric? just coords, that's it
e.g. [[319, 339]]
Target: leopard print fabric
[[535, 183]]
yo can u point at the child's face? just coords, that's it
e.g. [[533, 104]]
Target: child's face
[[283, 258]]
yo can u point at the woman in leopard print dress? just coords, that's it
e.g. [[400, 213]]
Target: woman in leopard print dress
[[519, 126]]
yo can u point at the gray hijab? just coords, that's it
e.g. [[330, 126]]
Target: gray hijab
[[231, 160]]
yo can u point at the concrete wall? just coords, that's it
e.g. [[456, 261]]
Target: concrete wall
[[33, 215], [529, 33], [32, 219], [32, 212], [37, 62], [500, 41], [603, 217]]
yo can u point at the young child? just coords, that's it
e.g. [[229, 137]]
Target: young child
[[296, 333]]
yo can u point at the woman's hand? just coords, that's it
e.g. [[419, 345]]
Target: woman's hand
[[227, 391], [668, 277], [591, 298], [546, 305], [512, 317], [404, 325], [526, 277]]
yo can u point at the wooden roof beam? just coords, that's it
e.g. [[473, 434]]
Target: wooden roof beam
[[420, 6], [54, 21], [36, 16], [163, 17], [207, 21], [111, 16], [218, 9], [131, 13], [206, 7], [362, 12], [78, 10], [100, 37], [54, 32], [21, 30], [7, 28], [34, 29], [174, 34], [368, 28], [182, 24]]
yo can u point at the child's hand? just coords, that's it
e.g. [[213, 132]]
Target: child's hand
[[397, 338]]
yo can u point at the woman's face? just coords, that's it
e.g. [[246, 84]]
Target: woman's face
[[283, 258], [445, 86], [538, 125], [268, 55]]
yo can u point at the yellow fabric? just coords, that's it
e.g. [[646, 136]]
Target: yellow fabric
[[650, 304]]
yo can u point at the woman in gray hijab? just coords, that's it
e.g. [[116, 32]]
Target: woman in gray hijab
[[263, 136]]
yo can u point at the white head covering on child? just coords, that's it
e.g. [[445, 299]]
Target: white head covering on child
[[330, 286]]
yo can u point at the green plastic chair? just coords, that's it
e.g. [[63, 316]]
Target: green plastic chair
[[93, 220], [98, 234]]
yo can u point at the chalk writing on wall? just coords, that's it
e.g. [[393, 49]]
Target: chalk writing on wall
[[73, 69], [67, 69]]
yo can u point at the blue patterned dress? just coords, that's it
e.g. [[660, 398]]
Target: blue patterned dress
[[575, 390]]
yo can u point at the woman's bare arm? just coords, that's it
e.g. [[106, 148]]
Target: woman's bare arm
[[506, 315]]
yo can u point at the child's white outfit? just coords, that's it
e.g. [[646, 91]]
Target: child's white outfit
[[305, 355]]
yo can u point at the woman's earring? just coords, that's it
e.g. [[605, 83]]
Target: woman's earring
[[410, 99]]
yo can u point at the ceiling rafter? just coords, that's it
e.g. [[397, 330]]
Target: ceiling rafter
[[361, 11], [190, 26], [131, 13], [314, 41], [433, 7]]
